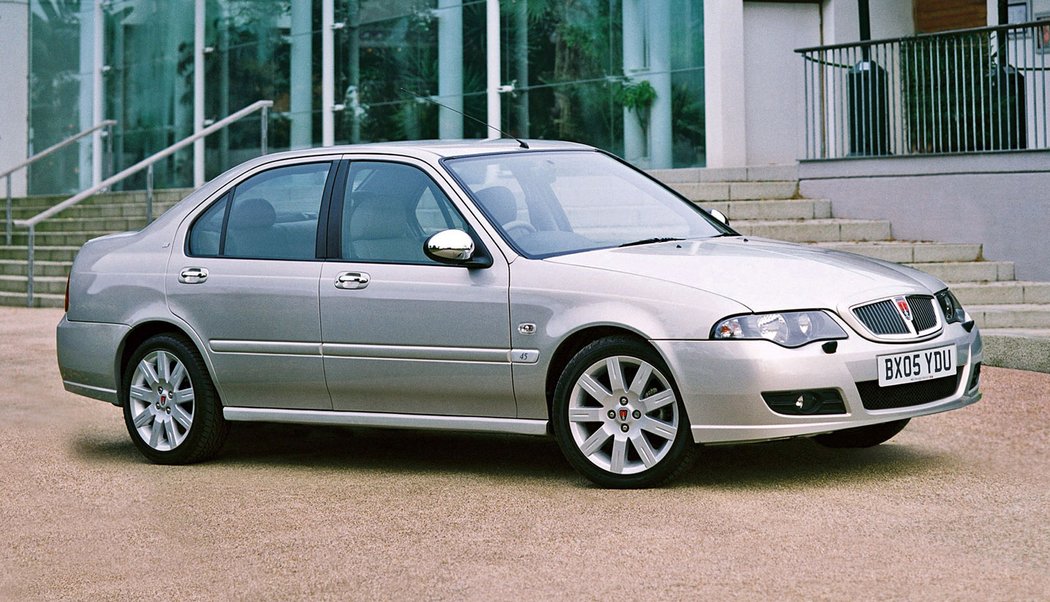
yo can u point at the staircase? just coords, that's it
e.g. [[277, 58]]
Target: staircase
[[1014, 315], [59, 239]]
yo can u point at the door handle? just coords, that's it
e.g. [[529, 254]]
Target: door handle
[[193, 275], [352, 280]]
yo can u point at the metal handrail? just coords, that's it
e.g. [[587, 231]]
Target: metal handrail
[[108, 123], [147, 163], [925, 36]]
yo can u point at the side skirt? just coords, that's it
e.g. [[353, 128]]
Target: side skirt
[[377, 419]]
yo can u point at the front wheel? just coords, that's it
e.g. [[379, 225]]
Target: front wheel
[[171, 409], [618, 417], [862, 436]]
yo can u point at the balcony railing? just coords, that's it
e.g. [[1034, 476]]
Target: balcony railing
[[966, 91]]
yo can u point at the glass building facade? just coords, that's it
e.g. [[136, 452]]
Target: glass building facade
[[623, 75]]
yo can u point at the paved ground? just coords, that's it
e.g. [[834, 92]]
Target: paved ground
[[956, 507]]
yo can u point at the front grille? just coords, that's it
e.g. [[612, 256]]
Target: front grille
[[881, 318], [923, 312], [875, 397]]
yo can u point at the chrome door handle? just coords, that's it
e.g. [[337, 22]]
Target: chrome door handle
[[193, 275], [352, 280]]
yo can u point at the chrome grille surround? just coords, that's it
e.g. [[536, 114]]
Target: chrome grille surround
[[885, 320]]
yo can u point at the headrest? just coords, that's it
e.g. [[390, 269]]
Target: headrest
[[376, 217], [499, 202], [252, 213]]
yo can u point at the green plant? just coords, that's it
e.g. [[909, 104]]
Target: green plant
[[637, 96]]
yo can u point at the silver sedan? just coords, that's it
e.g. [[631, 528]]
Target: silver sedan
[[535, 288]]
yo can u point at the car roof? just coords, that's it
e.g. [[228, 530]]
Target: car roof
[[437, 148]]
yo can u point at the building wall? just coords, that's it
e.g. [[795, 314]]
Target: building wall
[[932, 16], [1001, 200], [760, 119], [14, 82], [773, 77]]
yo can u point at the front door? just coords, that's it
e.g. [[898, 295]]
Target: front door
[[402, 333]]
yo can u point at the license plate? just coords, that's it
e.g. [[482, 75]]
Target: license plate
[[915, 366]]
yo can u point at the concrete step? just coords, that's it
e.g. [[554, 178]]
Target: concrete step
[[1002, 292], [816, 230], [14, 267], [106, 210], [755, 173], [135, 197], [53, 285], [18, 299], [900, 251], [90, 224], [40, 253], [969, 271], [1019, 316], [736, 191], [772, 209], [58, 239]]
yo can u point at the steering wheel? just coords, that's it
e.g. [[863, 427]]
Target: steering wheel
[[519, 224]]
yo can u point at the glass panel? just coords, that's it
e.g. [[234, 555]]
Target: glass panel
[[687, 83], [575, 79], [389, 53], [54, 94], [149, 86], [254, 41], [274, 214], [390, 210], [565, 59], [206, 232], [576, 201]]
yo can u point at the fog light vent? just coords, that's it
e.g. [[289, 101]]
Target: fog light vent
[[975, 378], [805, 403]]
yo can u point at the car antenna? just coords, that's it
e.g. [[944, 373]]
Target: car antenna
[[471, 117]]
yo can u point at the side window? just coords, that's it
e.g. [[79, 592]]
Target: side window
[[207, 231], [389, 210], [272, 215]]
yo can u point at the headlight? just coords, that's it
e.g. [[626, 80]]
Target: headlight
[[789, 329], [953, 310]]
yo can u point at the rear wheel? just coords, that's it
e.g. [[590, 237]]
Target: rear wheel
[[864, 436], [618, 417], [171, 408]]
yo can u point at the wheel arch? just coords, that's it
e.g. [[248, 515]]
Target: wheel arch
[[139, 334], [573, 343]]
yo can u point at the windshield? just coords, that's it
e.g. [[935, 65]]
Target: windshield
[[558, 202]]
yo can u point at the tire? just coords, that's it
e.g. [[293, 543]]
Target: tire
[[864, 436], [171, 408], [618, 416]]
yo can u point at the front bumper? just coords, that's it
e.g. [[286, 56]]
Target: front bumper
[[722, 382]]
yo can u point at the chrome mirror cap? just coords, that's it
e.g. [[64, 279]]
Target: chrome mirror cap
[[450, 246], [718, 215]]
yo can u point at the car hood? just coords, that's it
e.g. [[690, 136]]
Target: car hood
[[764, 275]]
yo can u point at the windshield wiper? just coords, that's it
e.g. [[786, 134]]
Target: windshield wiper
[[649, 241]]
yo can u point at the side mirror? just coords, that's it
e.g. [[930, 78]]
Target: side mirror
[[454, 247], [718, 215]]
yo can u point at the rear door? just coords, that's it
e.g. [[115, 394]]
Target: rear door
[[246, 281], [402, 333]]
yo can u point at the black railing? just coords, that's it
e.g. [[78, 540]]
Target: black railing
[[973, 90]]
